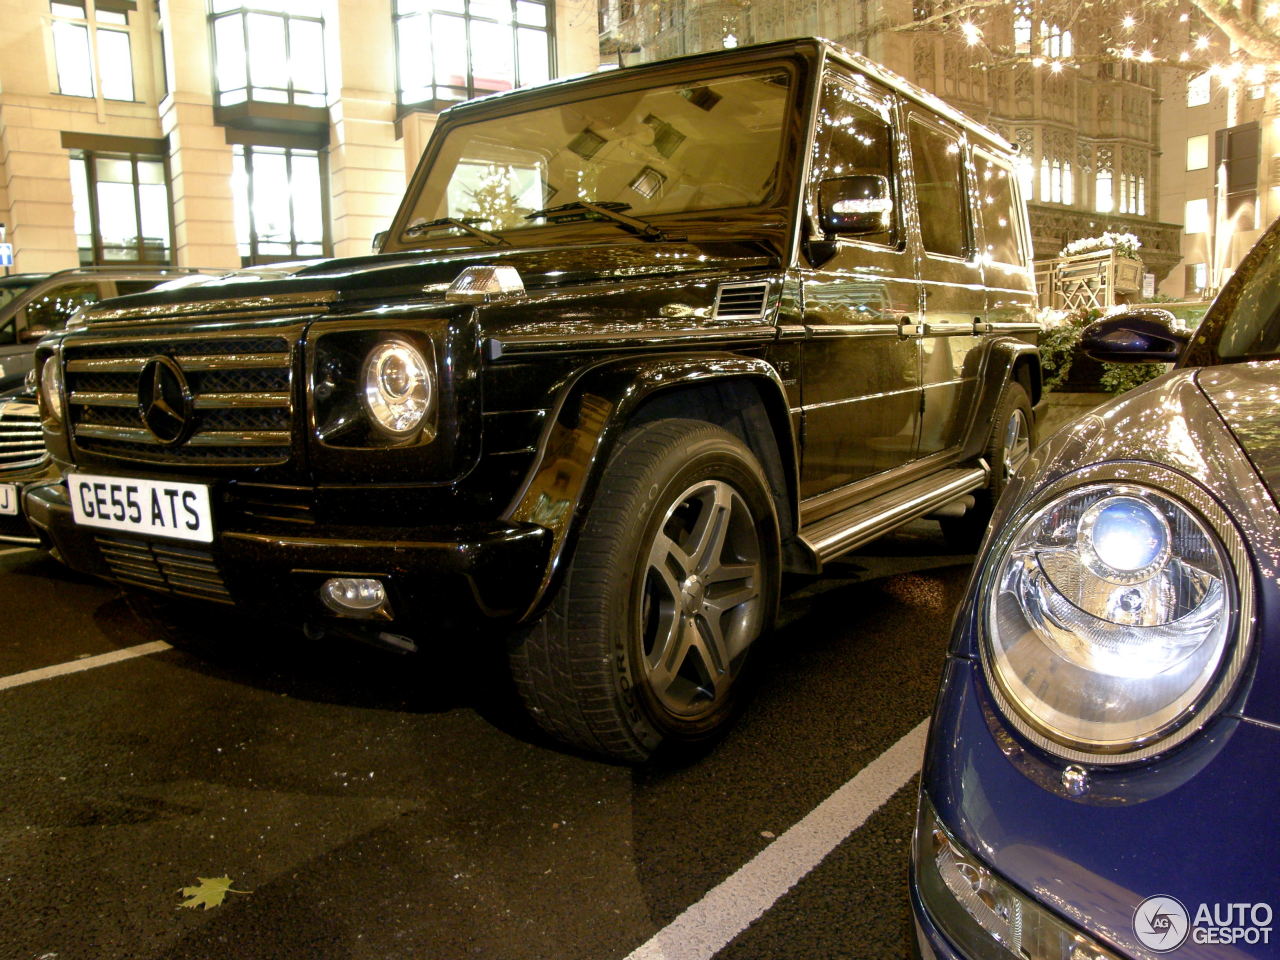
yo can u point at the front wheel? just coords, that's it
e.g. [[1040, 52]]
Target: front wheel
[[674, 577]]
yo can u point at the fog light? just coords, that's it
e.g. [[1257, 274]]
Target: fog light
[[981, 912], [356, 597]]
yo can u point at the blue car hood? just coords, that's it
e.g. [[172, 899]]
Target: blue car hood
[[1247, 396]]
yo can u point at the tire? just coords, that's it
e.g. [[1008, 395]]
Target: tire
[[1009, 444], [674, 576]]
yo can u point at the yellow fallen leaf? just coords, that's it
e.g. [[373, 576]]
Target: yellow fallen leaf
[[210, 892]]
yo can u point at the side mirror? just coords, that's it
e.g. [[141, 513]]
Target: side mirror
[[1137, 336], [379, 239], [856, 205]]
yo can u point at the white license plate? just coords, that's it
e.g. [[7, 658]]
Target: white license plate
[[151, 507], [8, 499]]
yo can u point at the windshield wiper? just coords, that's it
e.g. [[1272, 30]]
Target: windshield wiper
[[491, 239], [609, 210]]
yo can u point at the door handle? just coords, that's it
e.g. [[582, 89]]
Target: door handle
[[907, 328]]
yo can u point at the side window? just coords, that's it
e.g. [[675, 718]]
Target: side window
[[52, 310], [999, 211], [855, 139], [938, 160], [126, 287]]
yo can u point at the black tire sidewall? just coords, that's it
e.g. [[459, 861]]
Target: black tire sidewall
[[717, 455], [1013, 398]]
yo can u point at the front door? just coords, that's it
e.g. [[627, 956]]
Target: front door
[[861, 389]]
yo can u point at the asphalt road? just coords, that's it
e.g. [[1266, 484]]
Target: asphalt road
[[375, 806]]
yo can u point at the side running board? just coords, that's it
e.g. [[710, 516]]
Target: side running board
[[831, 536]]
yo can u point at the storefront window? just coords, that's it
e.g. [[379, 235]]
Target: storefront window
[[279, 203], [268, 52], [452, 50], [121, 205]]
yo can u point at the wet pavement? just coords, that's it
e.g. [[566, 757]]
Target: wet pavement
[[368, 805]]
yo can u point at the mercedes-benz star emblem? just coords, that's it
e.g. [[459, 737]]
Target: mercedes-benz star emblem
[[165, 402]]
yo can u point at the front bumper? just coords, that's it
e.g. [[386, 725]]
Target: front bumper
[[459, 576], [14, 528]]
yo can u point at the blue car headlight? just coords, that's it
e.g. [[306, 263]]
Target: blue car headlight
[[1111, 615]]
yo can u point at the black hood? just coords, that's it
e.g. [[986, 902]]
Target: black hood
[[406, 277]]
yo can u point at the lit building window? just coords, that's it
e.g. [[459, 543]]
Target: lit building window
[[451, 50], [1022, 27], [1198, 90], [76, 37], [1197, 216], [1104, 200], [279, 203], [121, 206], [1197, 277], [1198, 152], [1055, 42], [270, 51], [1056, 184]]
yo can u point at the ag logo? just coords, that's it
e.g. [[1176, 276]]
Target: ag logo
[[1161, 923]]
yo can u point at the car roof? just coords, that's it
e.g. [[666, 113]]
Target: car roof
[[816, 48]]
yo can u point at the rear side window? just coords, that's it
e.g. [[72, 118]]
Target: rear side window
[[999, 211], [126, 287], [938, 160]]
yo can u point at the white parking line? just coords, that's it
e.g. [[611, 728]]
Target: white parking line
[[732, 906], [88, 663]]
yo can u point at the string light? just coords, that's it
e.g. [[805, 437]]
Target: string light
[[1131, 37]]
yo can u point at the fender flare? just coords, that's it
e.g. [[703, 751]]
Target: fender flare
[[1004, 356], [593, 410]]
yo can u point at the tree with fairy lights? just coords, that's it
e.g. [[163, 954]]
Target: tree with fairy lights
[[1229, 41]]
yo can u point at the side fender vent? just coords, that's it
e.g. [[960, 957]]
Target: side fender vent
[[741, 301]]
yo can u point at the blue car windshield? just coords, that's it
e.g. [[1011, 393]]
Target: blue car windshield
[[1253, 330], [674, 148]]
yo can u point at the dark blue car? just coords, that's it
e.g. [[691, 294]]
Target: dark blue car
[[1101, 776]]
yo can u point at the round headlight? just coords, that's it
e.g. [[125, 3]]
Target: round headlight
[[398, 387], [1108, 620], [51, 390]]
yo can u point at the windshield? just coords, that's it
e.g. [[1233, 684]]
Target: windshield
[[670, 149], [1243, 323], [1253, 331]]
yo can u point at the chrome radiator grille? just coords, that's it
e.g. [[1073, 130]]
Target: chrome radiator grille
[[240, 404], [21, 441], [166, 567]]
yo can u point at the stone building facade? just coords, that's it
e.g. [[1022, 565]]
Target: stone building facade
[[217, 133]]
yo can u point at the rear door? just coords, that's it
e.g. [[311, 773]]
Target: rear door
[[953, 294], [861, 390], [1006, 258]]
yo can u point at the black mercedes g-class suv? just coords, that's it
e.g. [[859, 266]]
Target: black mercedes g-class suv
[[636, 343]]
